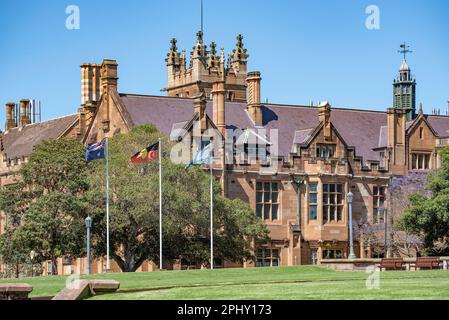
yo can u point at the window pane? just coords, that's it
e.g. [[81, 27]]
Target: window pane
[[339, 199], [266, 197], [275, 211], [259, 186], [313, 198], [340, 188], [326, 188], [332, 188], [274, 186], [267, 186], [275, 253], [325, 214], [274, 197], [332, 213], [275, 263], [259, 210], [325, 199], [313, 213], [266, 212], [259, 197], [313, 187], [339, 213]]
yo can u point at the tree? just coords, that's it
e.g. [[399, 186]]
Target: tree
[[399, 242], [428, 215], [52, 224], [14, 200], [134, 209]]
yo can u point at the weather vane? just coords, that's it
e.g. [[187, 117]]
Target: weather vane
[[404, 50]]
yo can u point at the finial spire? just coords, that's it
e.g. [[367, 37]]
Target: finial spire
[[421, 109], [213, 48], [173, 45], [199, 37], [404, 50]]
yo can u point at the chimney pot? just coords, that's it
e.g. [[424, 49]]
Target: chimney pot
[[10, 116], [24, 112]]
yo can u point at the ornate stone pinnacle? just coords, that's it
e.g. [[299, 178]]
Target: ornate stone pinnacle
[[213, 49], [173, 45], [239, 41], [199, 36]]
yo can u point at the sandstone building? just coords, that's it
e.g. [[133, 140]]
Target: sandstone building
[[322, 153]]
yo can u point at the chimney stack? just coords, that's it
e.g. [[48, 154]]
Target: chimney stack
[[24, 112], [253, 95], [109, 75], [200, 109], [90, 83], [218, 97], [324, 116], [10, 116]]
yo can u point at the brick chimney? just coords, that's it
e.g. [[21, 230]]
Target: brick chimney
[[24, 112], [254, 107], [218, 98], [324, 116], [200, 109], [10, 116]]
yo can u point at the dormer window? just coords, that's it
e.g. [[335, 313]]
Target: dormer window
[[325, 151]]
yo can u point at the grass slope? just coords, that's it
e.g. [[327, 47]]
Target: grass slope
[[305, 282]]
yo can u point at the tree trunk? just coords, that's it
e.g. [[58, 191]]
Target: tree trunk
[[17, 270], [54, 266]]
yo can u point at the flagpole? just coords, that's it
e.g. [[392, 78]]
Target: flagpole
[[108, 262], [211, 215], [160, 205]]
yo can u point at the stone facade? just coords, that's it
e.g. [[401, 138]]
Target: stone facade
[[300, 191]]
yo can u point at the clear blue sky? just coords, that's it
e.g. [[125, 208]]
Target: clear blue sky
[[306, 50]]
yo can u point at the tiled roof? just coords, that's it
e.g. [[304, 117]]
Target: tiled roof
[[360, 129], [19, 142]]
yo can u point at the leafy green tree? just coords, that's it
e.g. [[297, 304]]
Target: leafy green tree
[[52, 225], [14, 200], [428, 215], [134, 209]]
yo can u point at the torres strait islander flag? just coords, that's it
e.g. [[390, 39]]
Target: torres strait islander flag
[[150, 153]]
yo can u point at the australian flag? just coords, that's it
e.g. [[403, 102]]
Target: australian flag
[[96, 151]]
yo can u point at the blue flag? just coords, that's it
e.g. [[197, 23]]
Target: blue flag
[[202, 157], [96, 151]]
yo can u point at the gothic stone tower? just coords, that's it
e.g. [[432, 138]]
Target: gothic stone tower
[[404, 91], [205, 68]]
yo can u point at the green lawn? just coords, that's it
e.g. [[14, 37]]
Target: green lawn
[[302, 283]]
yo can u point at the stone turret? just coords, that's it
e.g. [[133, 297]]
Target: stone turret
[[206, 68]]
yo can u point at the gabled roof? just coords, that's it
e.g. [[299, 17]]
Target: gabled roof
[[19, 142], [364, 130]]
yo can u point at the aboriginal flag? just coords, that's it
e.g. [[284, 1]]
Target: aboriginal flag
[[150, 153]]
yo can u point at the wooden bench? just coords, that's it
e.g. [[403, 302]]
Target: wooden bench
[[426, 264], [391, 264], [15, 291]]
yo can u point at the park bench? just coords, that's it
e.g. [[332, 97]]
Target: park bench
[[426, 264], [15, 291], [391, 264]]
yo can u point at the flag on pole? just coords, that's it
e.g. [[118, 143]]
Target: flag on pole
[[96, 151], [150, 153], [203, 156]]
